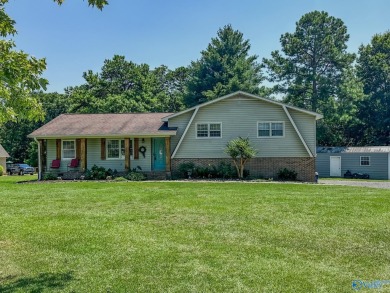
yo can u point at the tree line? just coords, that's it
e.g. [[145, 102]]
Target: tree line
[[312, 69]]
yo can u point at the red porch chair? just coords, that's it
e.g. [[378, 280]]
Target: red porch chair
[[74, 163], [55, 164]]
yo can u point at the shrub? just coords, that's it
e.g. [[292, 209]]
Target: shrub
[[97, 173], [286, 174], [205, 172], [226, 171], [184, 168], [50, 176], [88, 174], [1, 170], [119, 179], [135, 176]]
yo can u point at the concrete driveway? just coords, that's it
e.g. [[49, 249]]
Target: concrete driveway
[[373, 184]]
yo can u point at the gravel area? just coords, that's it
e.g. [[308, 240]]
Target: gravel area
[[374, 184]]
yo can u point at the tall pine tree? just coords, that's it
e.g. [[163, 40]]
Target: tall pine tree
[[224, 67], [374, 71], [312, 68]]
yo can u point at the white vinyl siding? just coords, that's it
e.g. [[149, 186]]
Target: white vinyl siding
[[181, 123], [208, 130], [51, 153], [307, 127], [68, 149], [93, 156], [238, 117]]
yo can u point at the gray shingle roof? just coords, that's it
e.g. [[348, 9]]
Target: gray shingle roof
[[3, 152], [89, 125], [366, 149]]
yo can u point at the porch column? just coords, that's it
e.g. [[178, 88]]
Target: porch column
[[127, 154], [168, 154], [83, 154], [41, 158]]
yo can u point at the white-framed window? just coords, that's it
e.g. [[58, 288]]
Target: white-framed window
[[115, 149], [364, 161], [68, 149], [270, 129], [209, 130]]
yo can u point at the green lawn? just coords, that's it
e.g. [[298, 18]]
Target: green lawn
[[191, 237]]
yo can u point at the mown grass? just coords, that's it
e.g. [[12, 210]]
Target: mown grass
[[191, 237]]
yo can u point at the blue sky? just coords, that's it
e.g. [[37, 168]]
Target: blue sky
[[75, 38]]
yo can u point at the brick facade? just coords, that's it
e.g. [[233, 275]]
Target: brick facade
[[263, 167]]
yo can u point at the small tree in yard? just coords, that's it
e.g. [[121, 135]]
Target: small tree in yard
[[240, 151]]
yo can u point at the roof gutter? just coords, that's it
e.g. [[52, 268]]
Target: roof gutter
[[140, 135]]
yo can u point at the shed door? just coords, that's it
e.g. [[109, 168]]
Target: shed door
[[335, 166]]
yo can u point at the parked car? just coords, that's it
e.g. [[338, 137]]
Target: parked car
[[25, 169], [12, 168]]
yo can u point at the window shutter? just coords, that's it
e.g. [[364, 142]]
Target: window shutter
[[103, 148], [78, 149], [136, 151], [58, 149]]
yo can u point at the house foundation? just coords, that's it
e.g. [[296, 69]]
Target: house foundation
[[261, 167]]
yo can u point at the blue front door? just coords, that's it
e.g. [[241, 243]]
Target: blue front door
[[158, 154]]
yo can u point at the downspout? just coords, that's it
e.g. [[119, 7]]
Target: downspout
[[39, 160]]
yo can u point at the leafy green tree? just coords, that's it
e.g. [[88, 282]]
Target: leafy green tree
[[13, 134], [98, 3], [121, 86], [374, 71], [240, 151], [224, 67], [32, 154], [20, 74], [124, 86], [170, 87], [309, 69], [341, 124]]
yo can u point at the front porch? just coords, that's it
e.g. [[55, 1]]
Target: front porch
[[149, 155]]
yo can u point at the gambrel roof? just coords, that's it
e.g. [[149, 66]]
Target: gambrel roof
[[247, 95]]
